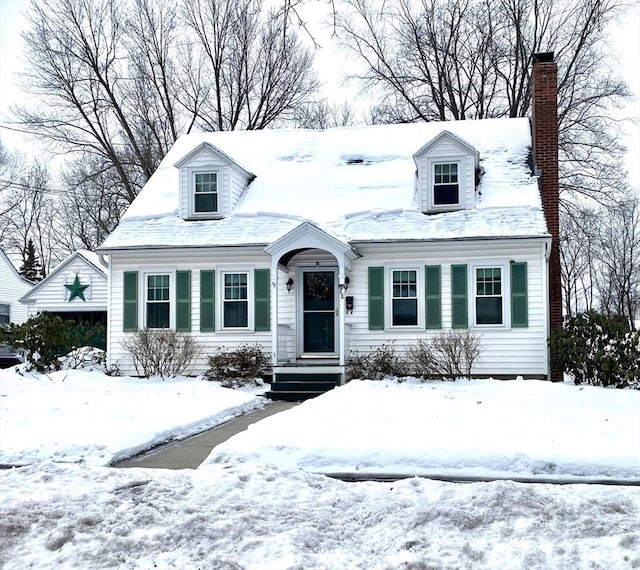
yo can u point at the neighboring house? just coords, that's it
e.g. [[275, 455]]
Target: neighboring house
[[318, 243], [75, 290], [12, 287]]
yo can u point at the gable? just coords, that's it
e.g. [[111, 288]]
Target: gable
[[80, 272]]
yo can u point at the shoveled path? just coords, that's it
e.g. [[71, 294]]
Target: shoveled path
[[191, 452]]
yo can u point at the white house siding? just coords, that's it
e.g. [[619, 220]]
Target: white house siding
[[504, 351], [52, 295], [194, 260], [12, 288]]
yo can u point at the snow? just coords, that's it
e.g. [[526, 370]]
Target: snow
[[341, 179], [89, 417], [520, 428], [258, 502]]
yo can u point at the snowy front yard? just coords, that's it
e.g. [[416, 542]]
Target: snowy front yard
[[255, 504]]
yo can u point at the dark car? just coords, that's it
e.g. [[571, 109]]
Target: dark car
[[9, 356]]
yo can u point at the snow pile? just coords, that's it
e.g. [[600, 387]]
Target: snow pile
[[262, 512], [84, 416], [263, 517], [518, 428]]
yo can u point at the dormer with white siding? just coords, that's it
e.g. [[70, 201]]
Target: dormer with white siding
[[211, 183], [447, 167]]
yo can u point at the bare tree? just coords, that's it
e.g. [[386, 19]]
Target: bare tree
[[30, 213], [451, 59], [247, 66], [323, 115], [619, 259]]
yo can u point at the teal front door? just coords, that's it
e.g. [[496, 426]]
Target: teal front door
[[318, 312]]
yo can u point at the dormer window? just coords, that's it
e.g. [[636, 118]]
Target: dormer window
[[446, 169], [206, 192], [446, 190]]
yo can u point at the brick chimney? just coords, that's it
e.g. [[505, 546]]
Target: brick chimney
[[544, 105]]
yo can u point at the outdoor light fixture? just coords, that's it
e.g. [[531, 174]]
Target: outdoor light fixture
[[343, 287], [289, 284]]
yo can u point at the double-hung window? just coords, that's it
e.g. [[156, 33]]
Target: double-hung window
[[235, 302], [446, 188], [404, 301], [489, 296], [157, 301], [205, 192]]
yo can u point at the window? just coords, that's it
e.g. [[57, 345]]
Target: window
[[404, 302], [489, 296], [206, 192], [235, 312], [157, 301], [445, 184], [5, 314]]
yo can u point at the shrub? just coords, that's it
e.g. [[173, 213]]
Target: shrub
[[451, 354], [43, 337], [381, 363], [161, 352], [235, 368], [598, 349]]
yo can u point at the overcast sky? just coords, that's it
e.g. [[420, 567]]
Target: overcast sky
[[12, 23]]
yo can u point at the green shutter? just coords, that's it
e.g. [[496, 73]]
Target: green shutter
[[519, 303], [376, 298], [183, 301], [207, 301], [459, 306], [262, 295], [432, 291], [130, 296]]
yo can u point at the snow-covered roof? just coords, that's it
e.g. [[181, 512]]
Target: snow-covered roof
[[357, 183]]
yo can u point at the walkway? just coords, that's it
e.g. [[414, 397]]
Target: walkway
[[191, 452]]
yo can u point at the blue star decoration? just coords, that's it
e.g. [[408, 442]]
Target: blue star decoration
[[76, 289]]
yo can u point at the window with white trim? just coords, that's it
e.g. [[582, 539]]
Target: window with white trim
[[446, 187], [404, 297], [158, 301], [205, 195], [235, 301], [5, 314], [489, 296]]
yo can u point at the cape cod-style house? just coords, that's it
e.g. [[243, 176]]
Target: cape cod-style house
[[314, 244]]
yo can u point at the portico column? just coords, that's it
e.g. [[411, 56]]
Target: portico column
[[274, 311]]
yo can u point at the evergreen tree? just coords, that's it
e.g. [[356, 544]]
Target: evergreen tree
[[31, 268]]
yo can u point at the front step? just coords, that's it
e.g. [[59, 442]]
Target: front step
[[296, 387]]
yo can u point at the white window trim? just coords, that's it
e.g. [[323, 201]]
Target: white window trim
[[142, 294], [191, 192], [504, 266], [431, 163], [220, 273], [389, 269]]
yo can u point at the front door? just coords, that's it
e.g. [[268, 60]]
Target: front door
[[319, 311]]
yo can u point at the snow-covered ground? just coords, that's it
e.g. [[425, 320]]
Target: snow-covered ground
[[256, 504]]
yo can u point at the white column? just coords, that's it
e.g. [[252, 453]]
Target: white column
[[274, 311]]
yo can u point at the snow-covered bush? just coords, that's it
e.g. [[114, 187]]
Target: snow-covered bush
[[84, 358], [382, 363], [161, 352], [450, 354], [598, 349], [239, 367]]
